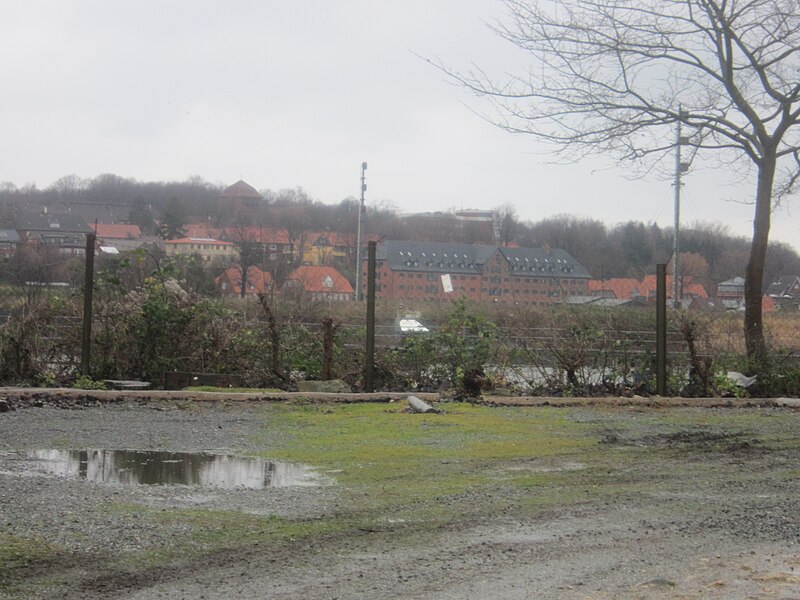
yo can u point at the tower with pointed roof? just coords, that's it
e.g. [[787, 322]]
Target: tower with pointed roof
[[241, 196]]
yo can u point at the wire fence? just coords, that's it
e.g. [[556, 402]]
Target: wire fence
[[143, 338]]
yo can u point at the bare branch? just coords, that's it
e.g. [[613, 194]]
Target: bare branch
[[614, 76]]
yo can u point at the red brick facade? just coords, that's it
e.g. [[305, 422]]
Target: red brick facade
[[483, 274]]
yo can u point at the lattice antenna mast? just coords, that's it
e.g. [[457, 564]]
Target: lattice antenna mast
[[360, 229]]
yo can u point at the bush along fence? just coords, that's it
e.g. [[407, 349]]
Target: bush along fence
[[468, 349]]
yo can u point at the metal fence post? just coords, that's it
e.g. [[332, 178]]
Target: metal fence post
[[661, 330], [88, 285], [369, 372]]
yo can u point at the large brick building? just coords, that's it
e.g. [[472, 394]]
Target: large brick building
[[437, 271]]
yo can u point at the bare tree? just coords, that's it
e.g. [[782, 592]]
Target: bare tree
[[250, 251], [616, 76]]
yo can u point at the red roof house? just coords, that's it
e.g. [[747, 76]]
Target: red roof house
[[201, 230], [260, 235], [116, 231], [229, 282], [320, 283], [630, 289], [618, 288]]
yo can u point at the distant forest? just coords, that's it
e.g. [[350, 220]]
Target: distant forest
[[709, 253]]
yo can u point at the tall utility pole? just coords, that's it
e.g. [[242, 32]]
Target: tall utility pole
[[359, 230], [680, 168]]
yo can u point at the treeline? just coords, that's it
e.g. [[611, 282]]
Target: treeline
[[709, 253]]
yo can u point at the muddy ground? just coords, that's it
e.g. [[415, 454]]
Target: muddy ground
[[723, 520]]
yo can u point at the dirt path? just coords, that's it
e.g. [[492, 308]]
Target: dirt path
[[618, 553]]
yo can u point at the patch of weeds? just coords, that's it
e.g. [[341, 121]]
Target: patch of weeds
[[220, 529], [22, 559], [706, 440], [610, 436], [390, 460], [197, 532], [231, 390], [18, 552], [84, 382], [530, 480]]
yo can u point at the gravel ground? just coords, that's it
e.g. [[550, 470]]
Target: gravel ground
[[713, 537], [27, 498]]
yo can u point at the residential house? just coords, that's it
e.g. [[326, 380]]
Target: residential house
[[618, 288], [229, 282], [202, 230], [207, 248], [9, 240], [438, 271], [121, 236], [688, 289], [731, 293], [332, 248], [102, 212], [319, 283], [62, 231], [644, 290], [787, 286], [272, 243], [328, 248], [785, 291]]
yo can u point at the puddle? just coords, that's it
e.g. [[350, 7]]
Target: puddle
[[151, 467]]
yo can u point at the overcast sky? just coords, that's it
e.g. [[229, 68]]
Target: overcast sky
[[297, 93]]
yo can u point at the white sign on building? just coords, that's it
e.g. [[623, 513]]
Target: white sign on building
[[447, 284]]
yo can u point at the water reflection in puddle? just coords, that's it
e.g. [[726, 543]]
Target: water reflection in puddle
[[152, 467]]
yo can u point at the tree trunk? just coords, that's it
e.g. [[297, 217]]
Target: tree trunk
[[275, 339], [242, 289], [754, 275]]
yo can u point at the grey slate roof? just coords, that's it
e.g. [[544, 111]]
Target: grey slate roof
[[782, 286], [438, 257], [9, 236], [65, 222], [735, 282], [539, 261], [434, 257]]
